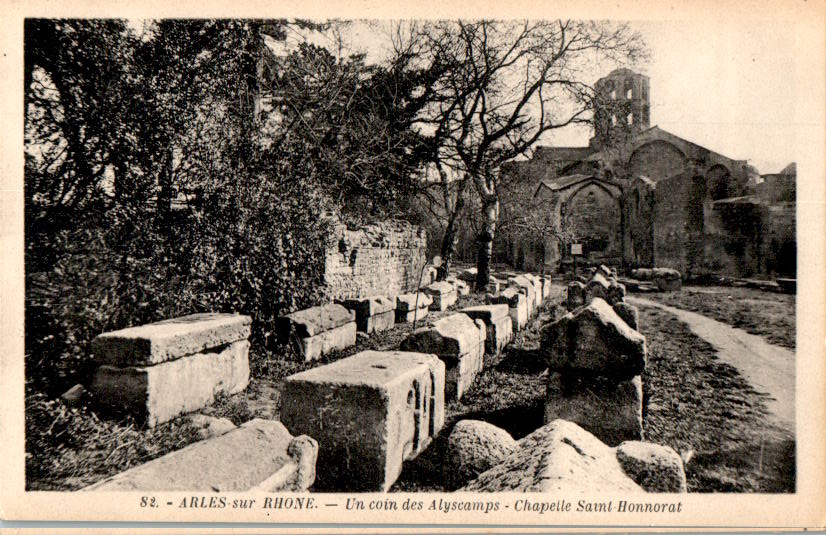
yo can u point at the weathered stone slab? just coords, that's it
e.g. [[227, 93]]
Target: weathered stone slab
[[406, 311], [443, 294], [611, 410], [546, 287], [373, 314], [315, 320], [498, 325], [667, 280], [629, 314], [409, 302], [598, 287], [643, 274], [486, 313], [468, 275], [460, 343], [654, 467], [261, 455], [158, 393], [206, 427], [576, 295], [499, 335], [474, 447], [495, 285], [525, 286], [593, 339], [430, 275], [560, 457], [318, 330], [537, 287], [461, 286], [605, 270], [169, 339], [369, 413], [517, 306]]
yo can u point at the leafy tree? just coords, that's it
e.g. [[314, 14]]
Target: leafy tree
[[508, 84]]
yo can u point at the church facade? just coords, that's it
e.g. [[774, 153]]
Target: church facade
[[640, 196]]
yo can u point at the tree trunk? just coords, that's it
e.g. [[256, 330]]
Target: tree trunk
[[484, 243], [449, 238]]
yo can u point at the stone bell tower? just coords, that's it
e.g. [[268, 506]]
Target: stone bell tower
[[621, 108]]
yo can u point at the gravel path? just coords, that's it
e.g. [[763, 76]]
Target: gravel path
[[769, 368]]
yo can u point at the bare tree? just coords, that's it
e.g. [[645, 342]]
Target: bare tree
[[505, 85]]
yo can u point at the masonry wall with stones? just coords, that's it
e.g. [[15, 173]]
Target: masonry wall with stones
[[380, 259]]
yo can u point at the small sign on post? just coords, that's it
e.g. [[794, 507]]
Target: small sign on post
[[576, 250]]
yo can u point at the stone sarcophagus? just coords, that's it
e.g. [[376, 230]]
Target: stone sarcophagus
[[596, 360], [260, 455], [411, 307], [317, 331], [373, 314], [158, 371], [369, 413], [444, 295], [460, 343], [498, 324], [517, 306], [525, 286]]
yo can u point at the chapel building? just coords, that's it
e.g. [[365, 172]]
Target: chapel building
[[640, 196]]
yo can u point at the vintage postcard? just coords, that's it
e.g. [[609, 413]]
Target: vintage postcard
[[391, 268]]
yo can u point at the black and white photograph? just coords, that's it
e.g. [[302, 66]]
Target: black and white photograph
[[486, 267]]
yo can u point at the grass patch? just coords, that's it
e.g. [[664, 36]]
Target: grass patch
[[768, 314], [68, 448]]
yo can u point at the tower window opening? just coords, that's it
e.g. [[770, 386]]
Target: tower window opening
[[630, 118], [614, 94], [613, 120], [629, 93]]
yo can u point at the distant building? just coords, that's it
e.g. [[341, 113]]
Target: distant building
[[640, 196]]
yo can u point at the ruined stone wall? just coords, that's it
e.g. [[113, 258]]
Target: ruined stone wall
[[638, 249], [380, 259], [671, 198]]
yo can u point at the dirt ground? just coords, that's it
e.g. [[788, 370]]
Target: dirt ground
[[708, 412], [767, 314]]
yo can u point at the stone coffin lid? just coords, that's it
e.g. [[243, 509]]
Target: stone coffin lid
[[558, 457], [170, 339], [370, 305], [369, 368], [666, 273], [522, 282], [439, 288], [599, 280], [407, 302], [468, 274], [595, 339], [508, 296], [315, 320], [451, 336], [256, 453], [486, 313]]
